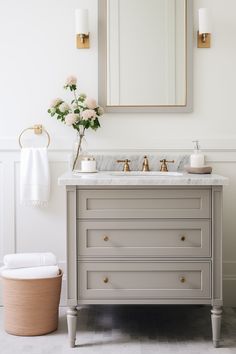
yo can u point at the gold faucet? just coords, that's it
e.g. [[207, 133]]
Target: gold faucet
[[145, 165], [126, 167], [164, 167]]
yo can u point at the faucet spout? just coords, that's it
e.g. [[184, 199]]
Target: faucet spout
[[145, 167]]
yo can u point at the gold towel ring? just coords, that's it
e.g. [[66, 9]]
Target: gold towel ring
[[38, 129]]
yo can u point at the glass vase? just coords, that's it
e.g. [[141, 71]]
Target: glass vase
[[79, 151]]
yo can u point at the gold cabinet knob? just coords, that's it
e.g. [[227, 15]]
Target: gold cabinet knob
[[105, 238], [182, 237], [105, 280], [182, 279]]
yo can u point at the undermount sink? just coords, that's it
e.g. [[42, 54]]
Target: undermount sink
[[146, 174]]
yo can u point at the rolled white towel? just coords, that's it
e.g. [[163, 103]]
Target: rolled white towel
[[31, 273], [24, 260]]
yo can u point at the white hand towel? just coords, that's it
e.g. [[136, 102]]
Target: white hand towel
[[31, 273], [24, 260], [34, 177]]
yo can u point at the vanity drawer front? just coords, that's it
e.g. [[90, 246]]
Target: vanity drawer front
[[172, 238], [157, 203], [147, 280]]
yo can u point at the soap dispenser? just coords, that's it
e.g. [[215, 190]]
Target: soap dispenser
[[197, 159]]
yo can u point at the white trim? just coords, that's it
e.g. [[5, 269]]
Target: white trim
[[10, 144]]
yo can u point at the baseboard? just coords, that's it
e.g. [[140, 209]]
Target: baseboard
[[229, 291]]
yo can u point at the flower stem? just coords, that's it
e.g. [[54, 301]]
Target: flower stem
[[76, 99], [81, 135]]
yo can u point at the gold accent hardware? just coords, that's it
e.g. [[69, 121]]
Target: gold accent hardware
[[183, 238], [126, 167], [203, 40], [38, 130], [105, 280], [183, 279], [82, 41], [145, 165], [106, 238], [164, 167]]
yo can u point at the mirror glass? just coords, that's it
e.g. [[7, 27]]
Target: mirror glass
[[145, 64]]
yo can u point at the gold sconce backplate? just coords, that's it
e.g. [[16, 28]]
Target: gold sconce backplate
[[203, 42], [82, 42]]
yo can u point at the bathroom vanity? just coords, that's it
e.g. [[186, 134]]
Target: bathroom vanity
[[144, 240]]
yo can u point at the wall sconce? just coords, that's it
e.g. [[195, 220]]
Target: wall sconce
[[204, 32], [82, 29]]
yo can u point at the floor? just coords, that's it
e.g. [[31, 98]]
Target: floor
[[131, 330]]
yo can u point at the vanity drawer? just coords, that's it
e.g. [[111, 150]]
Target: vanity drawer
[[157, 203], [172, 238], [147, 280]]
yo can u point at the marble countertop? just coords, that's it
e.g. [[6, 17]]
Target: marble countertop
[[111, 178]]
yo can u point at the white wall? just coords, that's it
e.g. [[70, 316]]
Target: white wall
[[37, 53]]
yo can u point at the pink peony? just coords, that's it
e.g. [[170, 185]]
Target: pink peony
[[71, 119], [71, 80], [90, 103], [88, 114], [56, 102]]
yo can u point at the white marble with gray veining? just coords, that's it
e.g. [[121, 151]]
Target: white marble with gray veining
[[108, 179]]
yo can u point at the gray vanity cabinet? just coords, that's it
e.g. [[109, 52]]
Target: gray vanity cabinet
[[144, 245]]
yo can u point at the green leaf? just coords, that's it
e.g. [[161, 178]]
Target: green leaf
[[72, 87], [96, 121]]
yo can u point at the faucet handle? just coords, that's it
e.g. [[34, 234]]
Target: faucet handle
[[126, 167], [164, 166]]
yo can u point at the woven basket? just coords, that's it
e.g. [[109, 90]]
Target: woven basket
[[31, 305]]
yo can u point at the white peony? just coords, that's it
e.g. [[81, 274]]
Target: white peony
[[64, 107], [71, 119], [74, 105], [100, 111], [88, 114], [56, 102], [52, 110]]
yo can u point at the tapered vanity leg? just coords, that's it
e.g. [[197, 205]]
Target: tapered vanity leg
[[216, 314], [71, 323]]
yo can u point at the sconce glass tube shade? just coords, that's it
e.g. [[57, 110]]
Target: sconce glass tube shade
[[204, 21], [82, 29], [81, 21], [204, 32]]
